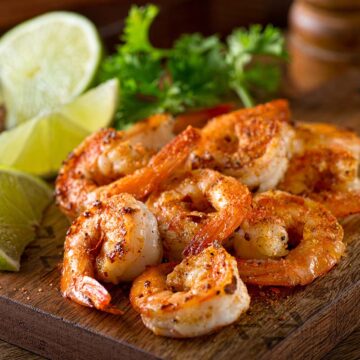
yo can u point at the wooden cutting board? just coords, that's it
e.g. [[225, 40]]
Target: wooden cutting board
[[304, 322]]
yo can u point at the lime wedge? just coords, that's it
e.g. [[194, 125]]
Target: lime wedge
[[23, 199], [46, 62], [38, 146]]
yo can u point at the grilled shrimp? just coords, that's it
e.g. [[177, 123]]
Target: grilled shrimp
[[108, 155], [197, 209], [340, 203], [83, 178], [324, 167], [312, 234], [200, 295], [324, 158], [251, 145], [113, 241]]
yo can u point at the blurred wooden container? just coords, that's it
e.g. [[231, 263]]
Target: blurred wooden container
[[324, 40], [336, 4]]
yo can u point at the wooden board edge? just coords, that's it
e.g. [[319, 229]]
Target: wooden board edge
[[335, 326], [58, 339]]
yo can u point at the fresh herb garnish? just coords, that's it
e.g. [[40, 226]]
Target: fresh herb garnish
[[248, 74], [196, 72]]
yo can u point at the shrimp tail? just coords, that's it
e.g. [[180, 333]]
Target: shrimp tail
[[89, 292], [98, 295], [341, 204], [283, 272], [276, 273], [160, 167]]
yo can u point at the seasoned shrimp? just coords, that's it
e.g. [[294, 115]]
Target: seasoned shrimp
[[325, 158], [75, 190], [198, 208], [340, 203], [314, 135], [108, 155], [324, 167], [313, 235], [251, 145], [113, 241], [200, 295]]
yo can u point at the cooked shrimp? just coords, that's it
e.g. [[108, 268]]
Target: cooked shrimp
[[324, 167], [161, 166], [314, 135], [340, 203], [108, 155], [198, 208], [114, 241], [200, 295], [260, 240], [251, 145], [80, 182], [321, 169], [324, 158], [315, 240]]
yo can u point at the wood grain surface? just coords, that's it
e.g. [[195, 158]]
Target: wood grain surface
[[304, 322], [348, 349], [8, 351]]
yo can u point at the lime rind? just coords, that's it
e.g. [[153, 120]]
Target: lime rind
[[23, 199], [14, 239], [12, 193], [7, 263], [41, 184]]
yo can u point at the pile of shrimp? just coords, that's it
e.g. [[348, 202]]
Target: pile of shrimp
[[192, 208]]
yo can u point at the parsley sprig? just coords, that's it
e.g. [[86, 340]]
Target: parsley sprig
[[196, 72]]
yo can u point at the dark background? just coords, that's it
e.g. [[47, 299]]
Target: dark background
[[176, 16]]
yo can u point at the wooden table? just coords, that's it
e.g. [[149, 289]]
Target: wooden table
[[348, 349]]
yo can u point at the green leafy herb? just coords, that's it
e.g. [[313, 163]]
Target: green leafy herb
[[243, 46], [197, 67], [197, 72], [136, 31]]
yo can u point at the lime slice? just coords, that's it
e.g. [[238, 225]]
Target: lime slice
[[40, 145], [23, 199], [46, 62]]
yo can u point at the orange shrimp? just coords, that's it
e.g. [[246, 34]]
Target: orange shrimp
[[314, 234], [75, 191], [324, 167], [340, 203], [106, 156], [197, 209], [114, 240], [252, 145], [198, 296], [160, 167]]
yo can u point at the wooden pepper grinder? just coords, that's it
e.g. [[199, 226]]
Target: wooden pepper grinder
[[324, 40]]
